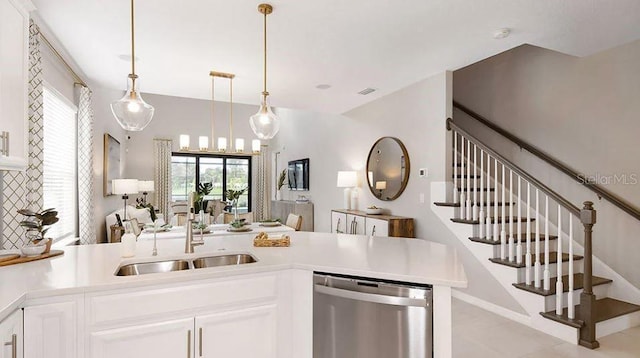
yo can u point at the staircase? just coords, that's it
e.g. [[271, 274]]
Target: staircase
[[525, 235]]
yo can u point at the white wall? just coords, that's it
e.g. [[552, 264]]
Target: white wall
[[416, 115], [581, 111]]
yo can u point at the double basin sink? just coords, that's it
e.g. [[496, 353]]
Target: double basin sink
[[142, 268]]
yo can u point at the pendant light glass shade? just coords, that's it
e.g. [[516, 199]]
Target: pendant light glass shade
[[131, 111], [265, 124]]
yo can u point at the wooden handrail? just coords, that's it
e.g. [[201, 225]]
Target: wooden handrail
[[601, 192], [545, 189]]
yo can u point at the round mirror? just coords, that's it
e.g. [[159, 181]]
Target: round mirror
[[388, 168]]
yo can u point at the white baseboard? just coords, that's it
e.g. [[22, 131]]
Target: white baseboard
[[491, 307]]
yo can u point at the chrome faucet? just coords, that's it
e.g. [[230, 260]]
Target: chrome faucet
[[190, 242]]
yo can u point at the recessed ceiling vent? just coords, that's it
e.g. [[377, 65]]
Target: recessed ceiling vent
[[366, 91]]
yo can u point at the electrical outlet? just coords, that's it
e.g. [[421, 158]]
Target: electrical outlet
[[423, 172], [421, 198]]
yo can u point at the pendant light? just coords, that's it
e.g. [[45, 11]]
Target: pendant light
[[265, 124], [131, 111]]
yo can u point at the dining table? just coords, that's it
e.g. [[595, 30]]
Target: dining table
[[177, 232]]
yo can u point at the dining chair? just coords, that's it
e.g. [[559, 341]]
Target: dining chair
[[294, 221]]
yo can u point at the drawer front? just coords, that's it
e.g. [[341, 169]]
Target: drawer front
[[148, 303], [377, 227], [356, 224], [339, 223]]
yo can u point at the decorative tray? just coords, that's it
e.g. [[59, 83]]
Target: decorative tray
[[263, 240]]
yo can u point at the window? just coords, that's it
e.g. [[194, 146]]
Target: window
[[60, 182], [223, 172]]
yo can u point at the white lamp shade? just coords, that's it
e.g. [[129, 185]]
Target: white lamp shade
[[222, 144], [145, 186], [184, 141], [203, 142], [239, 145], [124, 186], [347, 179], [381, 185], [255, 145], [131, 111]]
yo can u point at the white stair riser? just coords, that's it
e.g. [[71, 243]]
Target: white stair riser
[[617, 324]]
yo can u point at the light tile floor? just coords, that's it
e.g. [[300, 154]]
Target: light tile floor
[[478, 333]]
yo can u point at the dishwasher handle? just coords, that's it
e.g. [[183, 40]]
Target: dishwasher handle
[[371, 297]]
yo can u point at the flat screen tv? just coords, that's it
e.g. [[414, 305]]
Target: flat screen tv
[[298, 174]]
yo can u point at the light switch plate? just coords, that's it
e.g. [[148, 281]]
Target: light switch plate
[[421, 198]]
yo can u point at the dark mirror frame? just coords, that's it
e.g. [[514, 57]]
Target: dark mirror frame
[[407, 163]]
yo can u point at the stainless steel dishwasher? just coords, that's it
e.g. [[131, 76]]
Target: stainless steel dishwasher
[[364, 318]]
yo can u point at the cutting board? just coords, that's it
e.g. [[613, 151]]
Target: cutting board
[[7, 257], [22, 259]]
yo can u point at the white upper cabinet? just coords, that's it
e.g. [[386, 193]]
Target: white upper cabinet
[[14, 76]]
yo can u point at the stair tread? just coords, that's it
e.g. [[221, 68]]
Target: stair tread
[[490, 241], [457, 205], [605, 309], [493, 220], [553, 258], [577, 284], [476, 189]]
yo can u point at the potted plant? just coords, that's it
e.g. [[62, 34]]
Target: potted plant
[[234, 195], [281, 179], [202, 190], [37, 225]]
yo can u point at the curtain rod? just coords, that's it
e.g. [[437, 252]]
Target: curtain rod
[[77, 78]]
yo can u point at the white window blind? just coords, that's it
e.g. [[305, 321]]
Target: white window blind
[[60, 157]]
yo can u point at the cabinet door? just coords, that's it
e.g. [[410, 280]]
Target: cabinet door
[[339, 223], [245, 333], [14, 45], [51, 331], [355, 224], [169, 339], [11, 336], [377, 227]]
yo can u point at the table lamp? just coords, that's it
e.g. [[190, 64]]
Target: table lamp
[[381, 185], [347, 180], [125, 187]]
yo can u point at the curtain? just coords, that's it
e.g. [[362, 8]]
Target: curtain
[[162, 175], [86, 218], [24, 189], [262, 186]]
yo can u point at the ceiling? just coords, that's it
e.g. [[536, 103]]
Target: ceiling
[[350, 45]]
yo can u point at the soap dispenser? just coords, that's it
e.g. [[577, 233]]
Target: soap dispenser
[[128, 241]]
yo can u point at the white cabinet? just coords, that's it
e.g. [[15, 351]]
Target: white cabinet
[[356, 224], [376, 227], [338, 223], [51, 330], [245, 333], [11, 336], [168, 339], [14, 57]]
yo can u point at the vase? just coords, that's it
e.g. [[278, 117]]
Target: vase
[[235, 210]]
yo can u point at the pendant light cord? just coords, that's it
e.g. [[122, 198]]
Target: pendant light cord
[[133, 46], [231, 112], [213, 81], [264, 92]]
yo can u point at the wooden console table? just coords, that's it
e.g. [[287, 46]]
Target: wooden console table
[[360, 223]]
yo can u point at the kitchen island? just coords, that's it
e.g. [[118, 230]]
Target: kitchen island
[[101, 311]]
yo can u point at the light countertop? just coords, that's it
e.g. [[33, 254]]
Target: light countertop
[[90, 268]]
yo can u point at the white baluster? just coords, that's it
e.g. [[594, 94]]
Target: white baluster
[[469, 193], [546, 274], [511, 205], [571, 309], [559, 286], [516, 219], [527, 260], [496, 217], [475, 182], [455, 168], [536, 267], [503, 231], [481, 213], [487, 218], [463, 198]]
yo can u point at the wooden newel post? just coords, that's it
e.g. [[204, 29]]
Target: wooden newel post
[[587, 298]]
